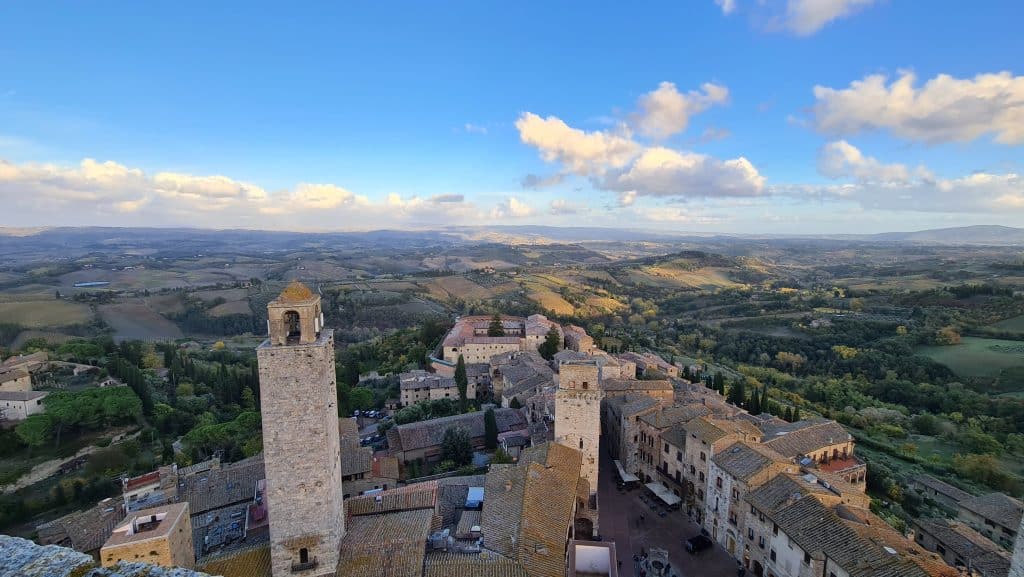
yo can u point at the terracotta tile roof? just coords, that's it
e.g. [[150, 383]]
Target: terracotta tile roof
[[452, 493], [816, 435], [467, 520], [942, 488], [503, 506], [548, 511], [250, 562], [36, 357], [675, 436], [150, 478], [21, 395], [423, 379], [387, 545], [356, 459], [408, 498], [997, 507], [216, 488], [711, 429], [821, 532], [384, 466], [483, 564], [744, 460], [7, 376], [784, 488], [675, 415], [84, 530], [430, 433], [971, 546]]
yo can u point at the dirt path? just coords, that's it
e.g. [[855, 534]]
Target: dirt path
[[52, 467]]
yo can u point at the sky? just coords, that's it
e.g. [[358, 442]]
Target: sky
[[741, 116]]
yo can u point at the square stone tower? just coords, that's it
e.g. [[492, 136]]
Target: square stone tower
[[578, 421], [301, 450]]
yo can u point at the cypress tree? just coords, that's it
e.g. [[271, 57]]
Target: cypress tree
[[462, 382], [796, 414], [490, 430]]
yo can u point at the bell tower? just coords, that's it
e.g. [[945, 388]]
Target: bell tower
[[301, 450]]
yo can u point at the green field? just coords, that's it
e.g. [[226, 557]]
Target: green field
[[49, 313], [1015, 324], [978, 357]]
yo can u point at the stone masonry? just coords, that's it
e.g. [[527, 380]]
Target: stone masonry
[[301, 446], [578, 421]]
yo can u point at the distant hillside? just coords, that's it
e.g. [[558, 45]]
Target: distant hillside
[[978, 234]]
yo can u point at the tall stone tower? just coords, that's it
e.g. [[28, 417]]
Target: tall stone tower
[[301, 450], [578, 422]]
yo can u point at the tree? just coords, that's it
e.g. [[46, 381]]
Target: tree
[[495, 329], [35, 431], [718, 383], [796, 414], [788, 414], [515, 404], [737, 396], [490, 430], [754, 404], [501, 457], [462, 382], [361, 398], [457, 446], [551, 344]]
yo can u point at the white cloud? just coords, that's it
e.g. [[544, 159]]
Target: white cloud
[[583, 153], [841, 159], [103, 193], [805, 17], [666, 111], [665, 172], [474, 128], [512, 207], [620, 163], [727, 6], [536, 181], [944, 109]]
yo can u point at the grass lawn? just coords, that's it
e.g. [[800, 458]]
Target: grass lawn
[[978, 357]]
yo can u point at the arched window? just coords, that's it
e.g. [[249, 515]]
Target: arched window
[[581, 443], [303, 556], [291, 325]]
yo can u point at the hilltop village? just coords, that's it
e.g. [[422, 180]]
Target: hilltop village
[[582, 463]]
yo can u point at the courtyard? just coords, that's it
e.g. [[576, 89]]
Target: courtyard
[[621, 522]]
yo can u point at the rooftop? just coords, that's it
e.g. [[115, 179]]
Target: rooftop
[[21, 395], [430, 433], [147, 524], [744, 460], [296, 292], [385, 545], [942, 487], [408, 498], [804, 437], [966, 543], [997, 507], [635, 385]]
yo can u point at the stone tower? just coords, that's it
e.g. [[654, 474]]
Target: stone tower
[[298, 397], [578, 422]]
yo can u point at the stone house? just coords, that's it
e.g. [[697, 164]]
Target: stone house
[[419, 385], [422, 440], [15, 379], [962, 547], [31, 362], [705, 437], [944, 494], [732, 473], [650, 426], [20, 405], [661, 390], [161, 536], [820, 443], [649, 364], [994, 515], [620, 421]]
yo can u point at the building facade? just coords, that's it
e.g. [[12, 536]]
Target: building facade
[[160, 535]]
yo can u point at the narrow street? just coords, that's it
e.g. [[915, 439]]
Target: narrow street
[[620, 522]]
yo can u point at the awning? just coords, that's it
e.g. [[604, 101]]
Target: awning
[[663, 493], [626, 477]]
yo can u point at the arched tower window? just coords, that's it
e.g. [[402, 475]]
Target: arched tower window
[[292, 326]]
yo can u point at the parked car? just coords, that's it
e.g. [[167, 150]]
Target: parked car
[[697, 544]]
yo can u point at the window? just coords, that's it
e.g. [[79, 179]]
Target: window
[[752, 510], [666, 447], [700, 494], [735, 493], [693, 470], [807, 558], [775, 529], [772, 555], [750, 534], [760, 541], [679, 455], [703, 457], [701, 476], [303, 556], [581, 443], [634, 438], [718, 482]]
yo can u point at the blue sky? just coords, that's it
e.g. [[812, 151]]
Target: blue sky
[[697, 115]]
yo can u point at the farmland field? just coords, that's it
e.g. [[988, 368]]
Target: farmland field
[[133, 320], [1015, 324], [457, 287], [978, 357], [51, 313]]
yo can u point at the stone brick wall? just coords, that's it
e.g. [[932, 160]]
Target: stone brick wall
[[302, 454], [173, 549], [578, 418]]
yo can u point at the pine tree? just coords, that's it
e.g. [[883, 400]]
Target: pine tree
[[462, 382]]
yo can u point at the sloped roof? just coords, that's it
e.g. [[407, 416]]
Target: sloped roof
[[249, 562], [711, 429], [942, 487], [547, 511], [675, 415], [635, 385], [997, 507], [231, 483], [968, 544], [23, 396], [744, 460], [783, 488], [807, 439], [408, 498], [386, 545], [483, 564], [9, 375], [422, 434], [296, 292]]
